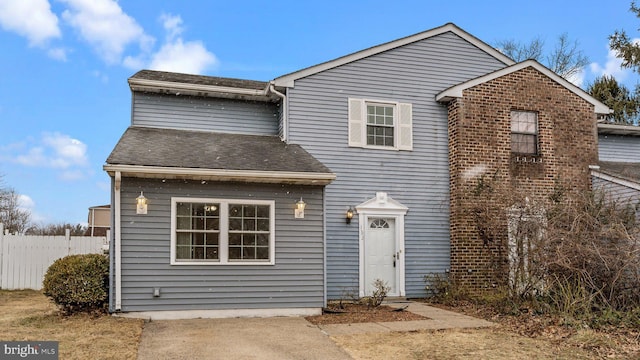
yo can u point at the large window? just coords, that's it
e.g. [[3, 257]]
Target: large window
[[216, 231], [524, 132]]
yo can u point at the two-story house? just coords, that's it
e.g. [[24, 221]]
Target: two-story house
[[235, 197]]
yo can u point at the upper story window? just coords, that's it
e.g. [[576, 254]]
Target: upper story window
[[380, 124], [524, 132], [221, 231]]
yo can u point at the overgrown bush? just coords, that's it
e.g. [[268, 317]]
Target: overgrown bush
[[78, 283], [573, 253]]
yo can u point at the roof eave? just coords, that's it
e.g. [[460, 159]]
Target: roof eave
[[457, 90], [618, 129], [178, 88], [288, 80], [247, 176]]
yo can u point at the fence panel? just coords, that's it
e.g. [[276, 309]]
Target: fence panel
[[24, 259]]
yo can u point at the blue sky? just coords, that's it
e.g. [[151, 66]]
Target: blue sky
[[64, 98]]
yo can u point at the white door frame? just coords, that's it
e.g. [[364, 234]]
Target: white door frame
[[383, 206]]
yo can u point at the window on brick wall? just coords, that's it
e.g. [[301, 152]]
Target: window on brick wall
[[524, 132]]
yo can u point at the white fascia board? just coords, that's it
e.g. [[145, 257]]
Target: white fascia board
[[289, 177], [618, 129], [616, 180], [289, 79], [156, 85], [456, 91]]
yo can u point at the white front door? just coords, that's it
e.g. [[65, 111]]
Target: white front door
[[380, 254]]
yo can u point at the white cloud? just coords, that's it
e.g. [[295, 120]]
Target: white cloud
[[190, 57], [175, 54], [612, 67], [172, 24], [32, 19], [52, 150], [577, 78], [104, 25], [57, 54], [66, 150], [25, 202]]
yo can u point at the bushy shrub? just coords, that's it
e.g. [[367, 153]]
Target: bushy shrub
[[381, 289], [78, 283]]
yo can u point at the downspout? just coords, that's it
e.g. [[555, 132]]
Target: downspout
[[93, 220], [285, 134], [117, 240]]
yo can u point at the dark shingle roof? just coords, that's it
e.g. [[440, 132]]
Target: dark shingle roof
[[624, 170], [207, 150], [199, 79]]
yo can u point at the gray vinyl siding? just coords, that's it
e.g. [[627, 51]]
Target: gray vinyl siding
[[621, 194], [419, 179], [296, 279], [618, 148], [205, 114]]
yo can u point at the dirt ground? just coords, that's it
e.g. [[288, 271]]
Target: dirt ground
[[29, 315], [357, 313]]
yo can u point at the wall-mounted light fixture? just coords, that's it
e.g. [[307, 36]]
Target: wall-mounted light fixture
[[141, 204], [350, 213], [299, 212]]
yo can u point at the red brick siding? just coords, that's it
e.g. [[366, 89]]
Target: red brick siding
[[480, 138]]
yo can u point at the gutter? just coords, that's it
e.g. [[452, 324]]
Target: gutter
[[276, 177], [158, 85]]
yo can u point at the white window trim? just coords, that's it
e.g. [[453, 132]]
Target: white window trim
[[365, 123], [223, 242], [397, 146]]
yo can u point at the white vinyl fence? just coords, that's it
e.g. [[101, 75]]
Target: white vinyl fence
[[24, 259]]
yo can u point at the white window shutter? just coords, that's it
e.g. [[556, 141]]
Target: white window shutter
[[405, 124], [356, 122]]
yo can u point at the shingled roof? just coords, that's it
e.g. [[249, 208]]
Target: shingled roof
[[623, 170], [197, 154], [199, 79]]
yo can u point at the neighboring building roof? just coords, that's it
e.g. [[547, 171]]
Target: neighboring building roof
[[199, 85], [618, 129], [456, 91], [626, 171], [100, 207], [168, 153], [289, 79]]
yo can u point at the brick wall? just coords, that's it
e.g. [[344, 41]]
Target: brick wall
[[480, 143]]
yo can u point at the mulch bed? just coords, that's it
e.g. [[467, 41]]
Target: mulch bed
[[358, 313]]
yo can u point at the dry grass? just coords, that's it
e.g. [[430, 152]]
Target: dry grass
[[29, 315], [455, 344]]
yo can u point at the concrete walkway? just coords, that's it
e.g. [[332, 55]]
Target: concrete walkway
[[278, 337], [438, 319]]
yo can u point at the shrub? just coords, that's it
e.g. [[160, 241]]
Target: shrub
[[78, 283], [378, 295]]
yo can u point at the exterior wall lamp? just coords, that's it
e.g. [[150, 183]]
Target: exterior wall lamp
[[299, 211], [350, 213], [141, 204]]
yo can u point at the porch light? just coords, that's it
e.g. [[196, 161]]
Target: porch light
[[299, 212], [350, 213], [141, 204]]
